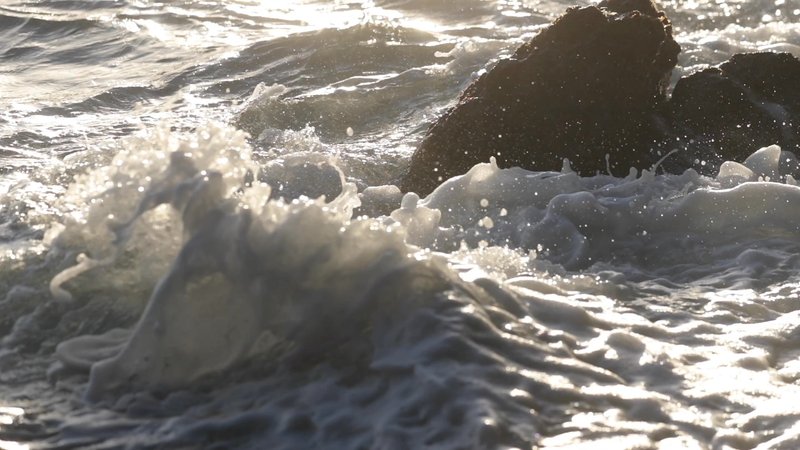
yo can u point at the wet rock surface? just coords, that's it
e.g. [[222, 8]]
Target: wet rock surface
[[587, 85], [591, 88], [750, 101]]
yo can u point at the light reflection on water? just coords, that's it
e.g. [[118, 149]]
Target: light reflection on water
[[9, 445], [8, 416]]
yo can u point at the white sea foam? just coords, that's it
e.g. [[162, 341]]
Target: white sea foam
[[302, 283]]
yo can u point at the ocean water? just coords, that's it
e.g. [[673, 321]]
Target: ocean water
[[201, 245]]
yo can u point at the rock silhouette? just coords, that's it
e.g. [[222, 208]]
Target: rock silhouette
[[591, 88]]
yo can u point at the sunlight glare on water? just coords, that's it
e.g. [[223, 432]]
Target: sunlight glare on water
[[9, 416], [309, 15]]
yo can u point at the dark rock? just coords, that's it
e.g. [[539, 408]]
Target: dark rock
[[594, 84], [588, 85], [749, 102], [624, 6], [773, 76]]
